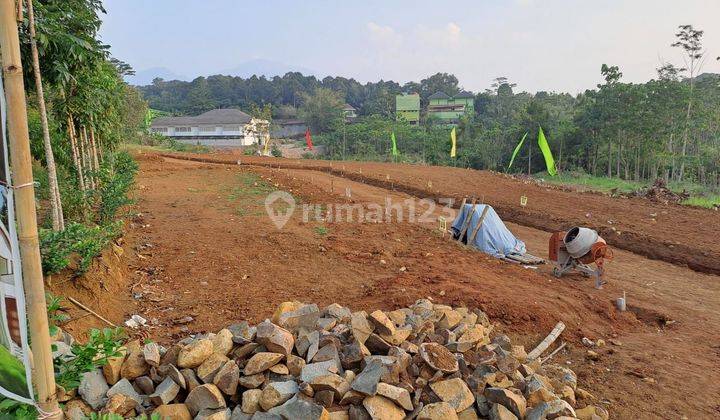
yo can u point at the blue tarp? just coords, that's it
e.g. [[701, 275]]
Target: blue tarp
[[493, 238]]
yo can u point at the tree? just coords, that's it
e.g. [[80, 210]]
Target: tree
[[689, 40], [322, 110], [438, 82], [58, 220]]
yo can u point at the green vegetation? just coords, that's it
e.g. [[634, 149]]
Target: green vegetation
[[15, 410], [321, 230], [102, 345], [12, 373]]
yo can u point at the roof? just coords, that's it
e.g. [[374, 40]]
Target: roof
[[464, 94], [439, 95], [216, 116], [348, 107]]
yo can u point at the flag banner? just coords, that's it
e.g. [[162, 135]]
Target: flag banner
[[308, 139], [15, 379], [394, 144], [545, 148], [453, 139], [517, 149]]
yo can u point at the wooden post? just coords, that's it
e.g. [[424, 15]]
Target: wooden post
[[466, 223], [19, 145]]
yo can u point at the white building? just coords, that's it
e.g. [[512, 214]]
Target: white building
[[219, 127]]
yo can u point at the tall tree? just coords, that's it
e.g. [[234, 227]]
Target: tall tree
[[58, 220], [690, 41]]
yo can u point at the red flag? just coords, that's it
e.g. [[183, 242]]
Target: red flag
[[308, 139]]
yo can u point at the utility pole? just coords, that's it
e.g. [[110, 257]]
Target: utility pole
[[24, 193]]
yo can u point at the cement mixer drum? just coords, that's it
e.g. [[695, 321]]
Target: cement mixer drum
[[579, 241]]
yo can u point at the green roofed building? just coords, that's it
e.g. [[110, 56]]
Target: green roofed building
[[448, 109], [407, 108]]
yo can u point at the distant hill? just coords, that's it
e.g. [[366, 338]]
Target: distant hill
[[145, 77]]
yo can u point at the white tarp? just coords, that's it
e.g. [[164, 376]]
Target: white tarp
[[15, 376], [493, 238]]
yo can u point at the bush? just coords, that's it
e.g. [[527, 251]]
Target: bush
[[59, 249], [117, 175]]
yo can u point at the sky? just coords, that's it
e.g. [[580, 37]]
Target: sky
[[550, 45]]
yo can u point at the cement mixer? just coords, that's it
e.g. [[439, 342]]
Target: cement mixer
[[575, 250]]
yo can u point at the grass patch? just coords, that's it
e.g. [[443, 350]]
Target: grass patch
[[701, 196], [594, 183], [710, 201], [321, 230]]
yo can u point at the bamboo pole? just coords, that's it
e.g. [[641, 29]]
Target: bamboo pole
[[56, 203], [19, 145]]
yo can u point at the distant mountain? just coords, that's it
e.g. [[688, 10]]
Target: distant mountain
[[267, 68], [145, 77]]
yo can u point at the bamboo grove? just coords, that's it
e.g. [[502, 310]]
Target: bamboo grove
[[80, 108]]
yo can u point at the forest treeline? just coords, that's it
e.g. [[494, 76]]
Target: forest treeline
[[666, 128]]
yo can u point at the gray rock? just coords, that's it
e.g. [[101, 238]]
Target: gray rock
[[124, 387], [499, 412], [176, 376], [329, 352], [165, 392], [203, 397], [93, 389], [213, 414], [512, 401], [276, 393], [305, 341], [358, 412], [367, 381], [259, 415], [313, 370], [299, 408], [338, 312], [151, 351], [237, 414], [145, 385], [242, 333], [227, 378], [550, 410], [304, 318]]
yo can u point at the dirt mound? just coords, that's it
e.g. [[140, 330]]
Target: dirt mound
[[658, 192]]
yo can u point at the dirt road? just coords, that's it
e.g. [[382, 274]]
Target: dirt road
[[678, 234], [211, 256]]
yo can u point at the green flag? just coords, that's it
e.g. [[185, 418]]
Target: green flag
[[517, 149], [453, 140], [394, 144], [545, 148]]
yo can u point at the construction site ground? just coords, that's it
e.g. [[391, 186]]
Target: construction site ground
[[202, 253]]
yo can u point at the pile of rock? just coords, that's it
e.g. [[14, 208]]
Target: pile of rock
[[427, 361]]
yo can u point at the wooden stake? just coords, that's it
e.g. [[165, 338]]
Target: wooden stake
[[98, 316], [554, 334], [19, 145], [466, 223]]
